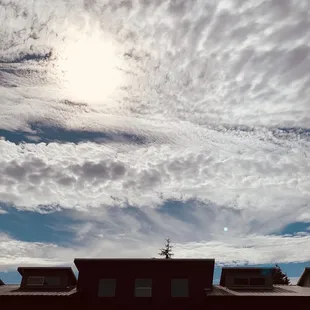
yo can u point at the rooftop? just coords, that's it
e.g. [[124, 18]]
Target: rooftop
[[14, 290], [278, 290]]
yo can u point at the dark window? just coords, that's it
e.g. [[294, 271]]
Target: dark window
[[241, 281], [35, 281], [143, 288], [52, 281], [106, 287], [257, 281], [179, 288]]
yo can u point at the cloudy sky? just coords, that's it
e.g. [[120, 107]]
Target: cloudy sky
[[125, 122]]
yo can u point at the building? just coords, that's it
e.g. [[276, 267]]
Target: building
[[140, 283], [52, 287], [152, 284], [253, 287]]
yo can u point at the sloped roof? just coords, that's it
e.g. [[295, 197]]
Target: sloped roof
[[13, 290], [262, 270], [302, 278], [218, 291], [278, 290]]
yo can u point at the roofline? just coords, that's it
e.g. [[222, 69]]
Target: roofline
[[21, 269], [246, 268], [301, 278], [80, 263], [144, 259]]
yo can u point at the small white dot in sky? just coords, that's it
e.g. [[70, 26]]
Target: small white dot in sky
[[225, 228]]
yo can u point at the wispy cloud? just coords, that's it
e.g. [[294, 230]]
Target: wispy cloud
[[244, 63], [2, 211], [152, 116], [253, 249]]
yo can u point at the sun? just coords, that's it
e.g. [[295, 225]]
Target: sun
[[90, 69]]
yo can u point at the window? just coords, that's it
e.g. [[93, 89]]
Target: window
[[143, 288], [35, 281], [179, 288], [241, 281], [43, 281], [52, 281], [106, 287], [257, 281]]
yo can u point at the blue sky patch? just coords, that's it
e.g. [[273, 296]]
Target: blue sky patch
[[33, 226]]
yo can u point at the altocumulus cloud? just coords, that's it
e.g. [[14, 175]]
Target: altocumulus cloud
[[217, 89], [72, 175]]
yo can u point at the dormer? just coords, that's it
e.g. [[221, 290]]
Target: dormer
[[304, 279], [47, 278], [247, 278]]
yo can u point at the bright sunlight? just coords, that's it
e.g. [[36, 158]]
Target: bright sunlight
[[89, 69]]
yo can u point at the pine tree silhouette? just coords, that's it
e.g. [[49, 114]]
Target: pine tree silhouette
[[280, 277], [167, 250]]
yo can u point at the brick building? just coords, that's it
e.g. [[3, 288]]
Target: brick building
[[151, 284]]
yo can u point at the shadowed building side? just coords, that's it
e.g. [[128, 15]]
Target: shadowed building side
[[151, 284], [41, 287]]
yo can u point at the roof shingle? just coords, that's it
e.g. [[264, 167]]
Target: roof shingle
[[13, 290], [279, 290]]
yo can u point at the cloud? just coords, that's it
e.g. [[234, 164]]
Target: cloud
[[269, 179], [250, 249], [210, 63], [2, 211], [216, 92]]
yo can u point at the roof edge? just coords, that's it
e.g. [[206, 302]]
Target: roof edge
[[80, 262], [67, 269], [144, 259], [301, 278]]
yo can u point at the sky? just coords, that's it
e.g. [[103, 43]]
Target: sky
[[126, 122]]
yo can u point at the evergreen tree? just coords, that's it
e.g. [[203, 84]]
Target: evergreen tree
[[280, 277], [167, 250]]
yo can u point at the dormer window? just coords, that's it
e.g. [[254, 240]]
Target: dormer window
[[44, 278], [43, 281], [34, 281], [257, 281], [247, 278], [249, 281], [241, 281]]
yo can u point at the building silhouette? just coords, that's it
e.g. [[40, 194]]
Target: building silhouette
[[151, 284]]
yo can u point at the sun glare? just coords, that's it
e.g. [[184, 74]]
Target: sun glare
[[89, 69]]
